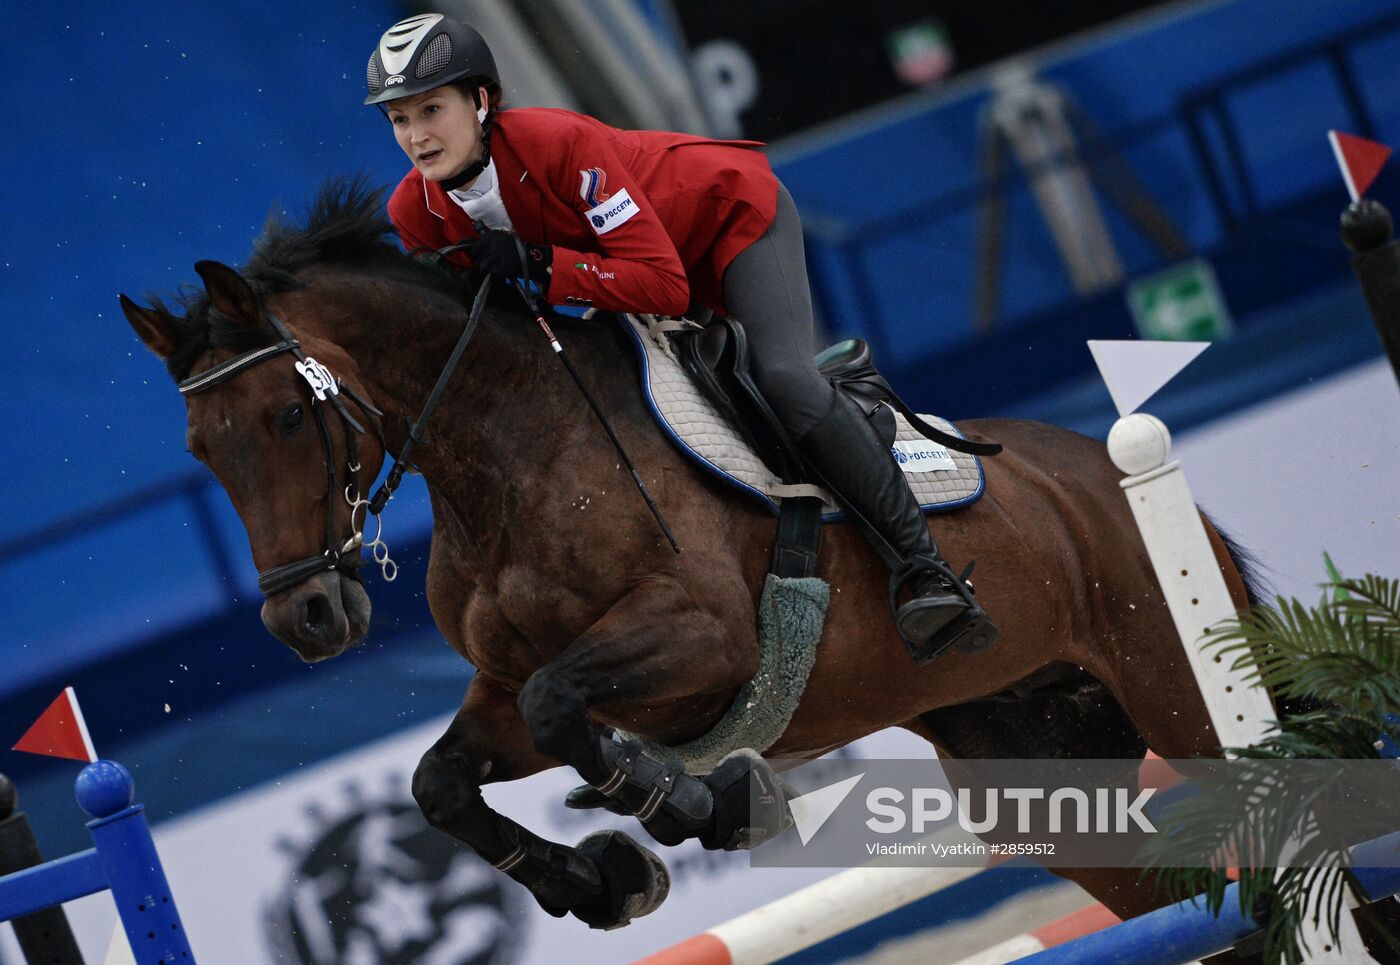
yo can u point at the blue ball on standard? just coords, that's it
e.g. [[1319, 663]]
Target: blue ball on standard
[[104, 788]]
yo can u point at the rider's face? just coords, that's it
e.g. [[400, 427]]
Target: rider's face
[[438, 130]]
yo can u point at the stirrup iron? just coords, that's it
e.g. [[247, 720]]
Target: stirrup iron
[[970, 630]]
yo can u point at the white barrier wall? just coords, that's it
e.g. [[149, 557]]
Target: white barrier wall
[[261, 871], [1316, 469]]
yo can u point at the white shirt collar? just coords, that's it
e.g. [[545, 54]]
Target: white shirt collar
[[486, 182], [482, 200]]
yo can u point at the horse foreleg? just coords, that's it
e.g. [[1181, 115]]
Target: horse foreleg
[[642, 652], [606, 881]]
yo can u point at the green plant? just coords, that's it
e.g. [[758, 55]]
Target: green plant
[[1342, 659]]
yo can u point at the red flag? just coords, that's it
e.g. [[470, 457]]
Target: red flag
[[1359, 159], [60, 731]]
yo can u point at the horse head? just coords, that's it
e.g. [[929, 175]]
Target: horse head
[[286, 448]]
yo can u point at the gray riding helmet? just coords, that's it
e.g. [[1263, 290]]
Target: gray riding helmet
[[424, 52]]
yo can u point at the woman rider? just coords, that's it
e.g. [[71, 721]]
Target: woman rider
[[644, 221]]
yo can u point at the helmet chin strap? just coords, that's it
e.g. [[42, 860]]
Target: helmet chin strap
[[472, 171]]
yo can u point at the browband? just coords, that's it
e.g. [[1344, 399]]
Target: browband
[[227, 370]]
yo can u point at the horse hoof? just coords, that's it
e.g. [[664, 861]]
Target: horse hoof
[[586, 797], [635, 881]]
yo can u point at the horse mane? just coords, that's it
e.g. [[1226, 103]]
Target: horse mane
[[345, 225]]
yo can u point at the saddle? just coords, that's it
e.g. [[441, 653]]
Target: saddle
[[716, 357]]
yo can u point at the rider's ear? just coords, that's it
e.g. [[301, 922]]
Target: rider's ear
[[230, 293], [153, 327]]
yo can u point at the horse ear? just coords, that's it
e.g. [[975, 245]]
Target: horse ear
[[151, 326], [230, 293]]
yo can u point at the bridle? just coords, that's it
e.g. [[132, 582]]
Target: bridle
[[327, 388], [343, 556]]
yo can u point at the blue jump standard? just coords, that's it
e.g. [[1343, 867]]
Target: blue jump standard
[[1188, 931], [123, 862]]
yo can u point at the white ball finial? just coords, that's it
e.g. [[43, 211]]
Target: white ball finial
[[1139, 443]]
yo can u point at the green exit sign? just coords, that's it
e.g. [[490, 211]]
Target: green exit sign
[[1182, 303]]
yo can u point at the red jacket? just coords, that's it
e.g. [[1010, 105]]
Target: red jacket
[[640, 221]]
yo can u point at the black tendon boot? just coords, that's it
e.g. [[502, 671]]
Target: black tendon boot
[[849, 458], [737, 806]]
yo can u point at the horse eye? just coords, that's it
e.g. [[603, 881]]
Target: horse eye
[[291, 417]]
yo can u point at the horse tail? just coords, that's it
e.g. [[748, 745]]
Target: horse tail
[[1247, 565], [1255, 589]]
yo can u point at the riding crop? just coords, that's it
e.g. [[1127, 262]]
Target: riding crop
[[532, 304]]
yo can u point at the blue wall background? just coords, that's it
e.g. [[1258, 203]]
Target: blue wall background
[[891, 205], [142, 143], [145, 142]]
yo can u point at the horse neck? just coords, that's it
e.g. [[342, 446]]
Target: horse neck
[[502, 392]]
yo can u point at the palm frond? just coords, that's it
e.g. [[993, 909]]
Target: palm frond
[[1343, 653], [1372, 597]]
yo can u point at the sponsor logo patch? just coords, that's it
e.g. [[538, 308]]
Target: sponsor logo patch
[[613, 212], [922, 456]]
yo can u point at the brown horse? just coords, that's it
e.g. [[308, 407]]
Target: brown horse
[[550, 576]]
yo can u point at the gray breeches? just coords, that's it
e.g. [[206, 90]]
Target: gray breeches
[[765, 288]]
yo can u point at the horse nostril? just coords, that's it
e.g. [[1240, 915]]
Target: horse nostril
[[316, 614]]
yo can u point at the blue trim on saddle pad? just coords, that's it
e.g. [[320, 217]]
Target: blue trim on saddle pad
[[724, 477]]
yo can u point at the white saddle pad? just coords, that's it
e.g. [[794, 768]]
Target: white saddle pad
[[940, 478]]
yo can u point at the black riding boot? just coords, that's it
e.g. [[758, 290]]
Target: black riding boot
[[849, 458]]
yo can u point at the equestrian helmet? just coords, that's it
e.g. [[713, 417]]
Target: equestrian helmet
[[424, 52]]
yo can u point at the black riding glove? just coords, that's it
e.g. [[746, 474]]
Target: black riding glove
[[498, 253]]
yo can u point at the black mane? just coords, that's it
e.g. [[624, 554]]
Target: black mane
[[345, 225]]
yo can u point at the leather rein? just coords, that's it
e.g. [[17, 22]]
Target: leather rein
[[343, 556]]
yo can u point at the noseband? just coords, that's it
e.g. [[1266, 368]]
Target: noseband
[[325, 387]]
